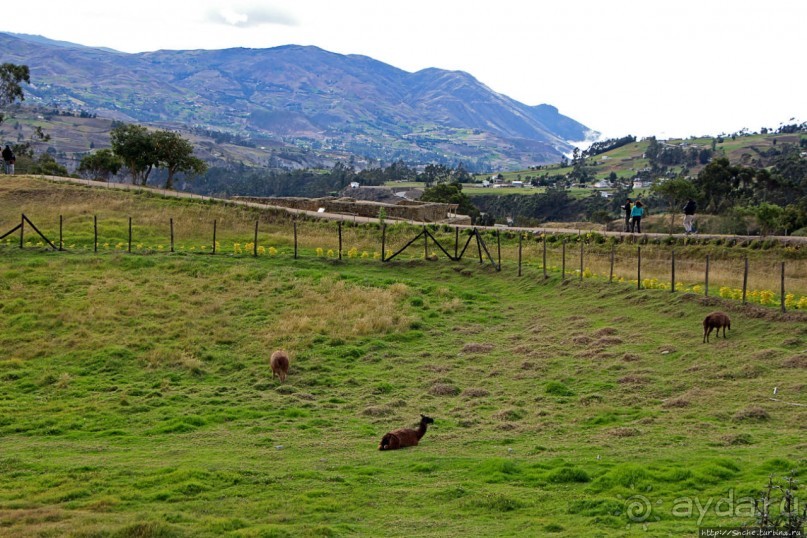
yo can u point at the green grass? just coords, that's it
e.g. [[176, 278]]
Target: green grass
[[136, 399]]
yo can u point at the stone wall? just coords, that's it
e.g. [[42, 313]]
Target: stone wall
[[403, 210]]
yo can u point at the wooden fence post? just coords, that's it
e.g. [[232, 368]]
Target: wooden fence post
[[672, 272], [295, 239], [639, 268], [255, 241], [339, 225], [171, 221], [563, 260], [95, 232], [214, 236], [519, 253], [22, 230], [706, 290], [544, 260], [782, 293], [456, 241], [745, 279], [581, 261], [383, 242], [499, 248], [425, 244], [61, 237], [611, 274], [130, 235]]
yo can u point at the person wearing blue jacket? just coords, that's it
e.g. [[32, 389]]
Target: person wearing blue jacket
[[636, 215]]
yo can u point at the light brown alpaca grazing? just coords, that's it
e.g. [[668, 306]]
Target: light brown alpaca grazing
[[405, 437], [715, 320], [280, 364]]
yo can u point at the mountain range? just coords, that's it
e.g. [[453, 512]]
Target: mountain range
[[326, 104]]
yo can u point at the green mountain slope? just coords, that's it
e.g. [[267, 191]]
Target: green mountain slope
[[136, 397]]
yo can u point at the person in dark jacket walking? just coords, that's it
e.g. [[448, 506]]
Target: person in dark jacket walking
[[627, 208], [689, 216], [8, 158]]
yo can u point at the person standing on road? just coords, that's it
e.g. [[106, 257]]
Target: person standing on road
[[636, 215], [8, 158], [627, 208], [689, 215]]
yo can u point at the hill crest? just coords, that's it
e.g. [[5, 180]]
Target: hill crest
[[301, 96]]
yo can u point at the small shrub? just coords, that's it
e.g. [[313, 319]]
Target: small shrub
[[569, 475], [556, 388]]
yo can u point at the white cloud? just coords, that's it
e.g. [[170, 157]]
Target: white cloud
[[638, 67], [249, 16]]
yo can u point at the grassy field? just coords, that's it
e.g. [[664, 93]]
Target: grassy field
[[136, 398]]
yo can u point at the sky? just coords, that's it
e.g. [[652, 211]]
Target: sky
[[670, 69]]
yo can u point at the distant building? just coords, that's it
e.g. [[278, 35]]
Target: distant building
[[517, 183]]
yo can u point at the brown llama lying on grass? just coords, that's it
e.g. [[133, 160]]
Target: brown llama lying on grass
[[715, 320], [404, 437], [280, 365]]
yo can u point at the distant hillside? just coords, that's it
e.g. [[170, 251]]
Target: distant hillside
[[306, 97], [630, 161]]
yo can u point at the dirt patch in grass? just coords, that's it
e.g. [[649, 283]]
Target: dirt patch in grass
[[590, 399], [608, 341], [633, 379], [631, 357], [377, 411], [751, 414], [605, 331], [437, 368], [736, 439], [679, 402], [475, 392], [797, 361], [477, 348], [582, 340], [508, 415], [537, 328], [443, 389], [764, 355], [624, 432]]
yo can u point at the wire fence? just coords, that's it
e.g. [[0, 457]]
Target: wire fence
[[729, 273]]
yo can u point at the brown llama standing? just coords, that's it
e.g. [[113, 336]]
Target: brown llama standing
[[280, 364], [715, 320], [405, 437]]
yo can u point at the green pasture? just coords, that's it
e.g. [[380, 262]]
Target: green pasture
[[136, 398]]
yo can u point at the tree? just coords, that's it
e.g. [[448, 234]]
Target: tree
[[716, 182], [435, 173], [451, 193], [675, 192], [175, 154], [11, 78], [100, 165], [769, 217], [46, 165], [135, 146]]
